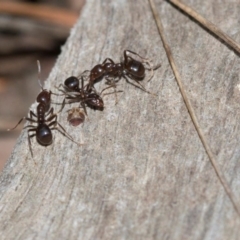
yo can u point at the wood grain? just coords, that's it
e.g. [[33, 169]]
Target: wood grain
[[143, 173]]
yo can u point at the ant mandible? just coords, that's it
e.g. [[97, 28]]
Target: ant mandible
[[129, 68], [46, 120]]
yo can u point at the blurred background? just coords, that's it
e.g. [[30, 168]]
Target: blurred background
[[29, 30]]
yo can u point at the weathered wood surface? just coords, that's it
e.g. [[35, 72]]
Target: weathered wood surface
[[143, 173]]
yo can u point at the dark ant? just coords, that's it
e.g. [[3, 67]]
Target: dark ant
[[75, 116], [91, 98], [46, 120], [74, 93], [129, 68]]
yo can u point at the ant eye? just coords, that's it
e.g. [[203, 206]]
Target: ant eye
[[72, 83]]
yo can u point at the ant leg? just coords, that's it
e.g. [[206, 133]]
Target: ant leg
[[59, 88], [63, 105], [115, 93], [29, 140], [82, 94], [50, 112], [156, 66], [24, 118], [107, 88], [32, 114], [29, 130], [125, 53], [87, 86], [142, 87], [65, 89], [56, 93], [30, 144], [63, 131], [28, 126], [82, 83], [60, 85], [108, 59], [112, 92], [112, 85], [84, 108], [113, 80], [150, 69], [10, 129], [83, 74], [51, 117], [64, 93], [73, 100], [73, 95]]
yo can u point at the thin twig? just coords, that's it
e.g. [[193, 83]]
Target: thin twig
[[191, 111], [46, 13], [207, 24]]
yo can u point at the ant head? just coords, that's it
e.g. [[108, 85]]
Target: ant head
[[72, 83], [44, 97]]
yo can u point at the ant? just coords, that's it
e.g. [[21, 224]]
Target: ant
[[45, 118], [129, 68], [74, 93]]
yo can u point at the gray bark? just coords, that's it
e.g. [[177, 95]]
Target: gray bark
[[143, 172]]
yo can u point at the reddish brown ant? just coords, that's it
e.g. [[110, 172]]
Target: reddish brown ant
[[46, 120], [129, 68], [91, 98], [74, 93]]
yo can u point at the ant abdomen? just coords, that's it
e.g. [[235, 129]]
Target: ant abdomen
[[44, 134], [97, 73], [134, 68], [72, 83], [95, 102]]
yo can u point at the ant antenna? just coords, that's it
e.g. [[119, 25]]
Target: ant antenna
[[39, 74]]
